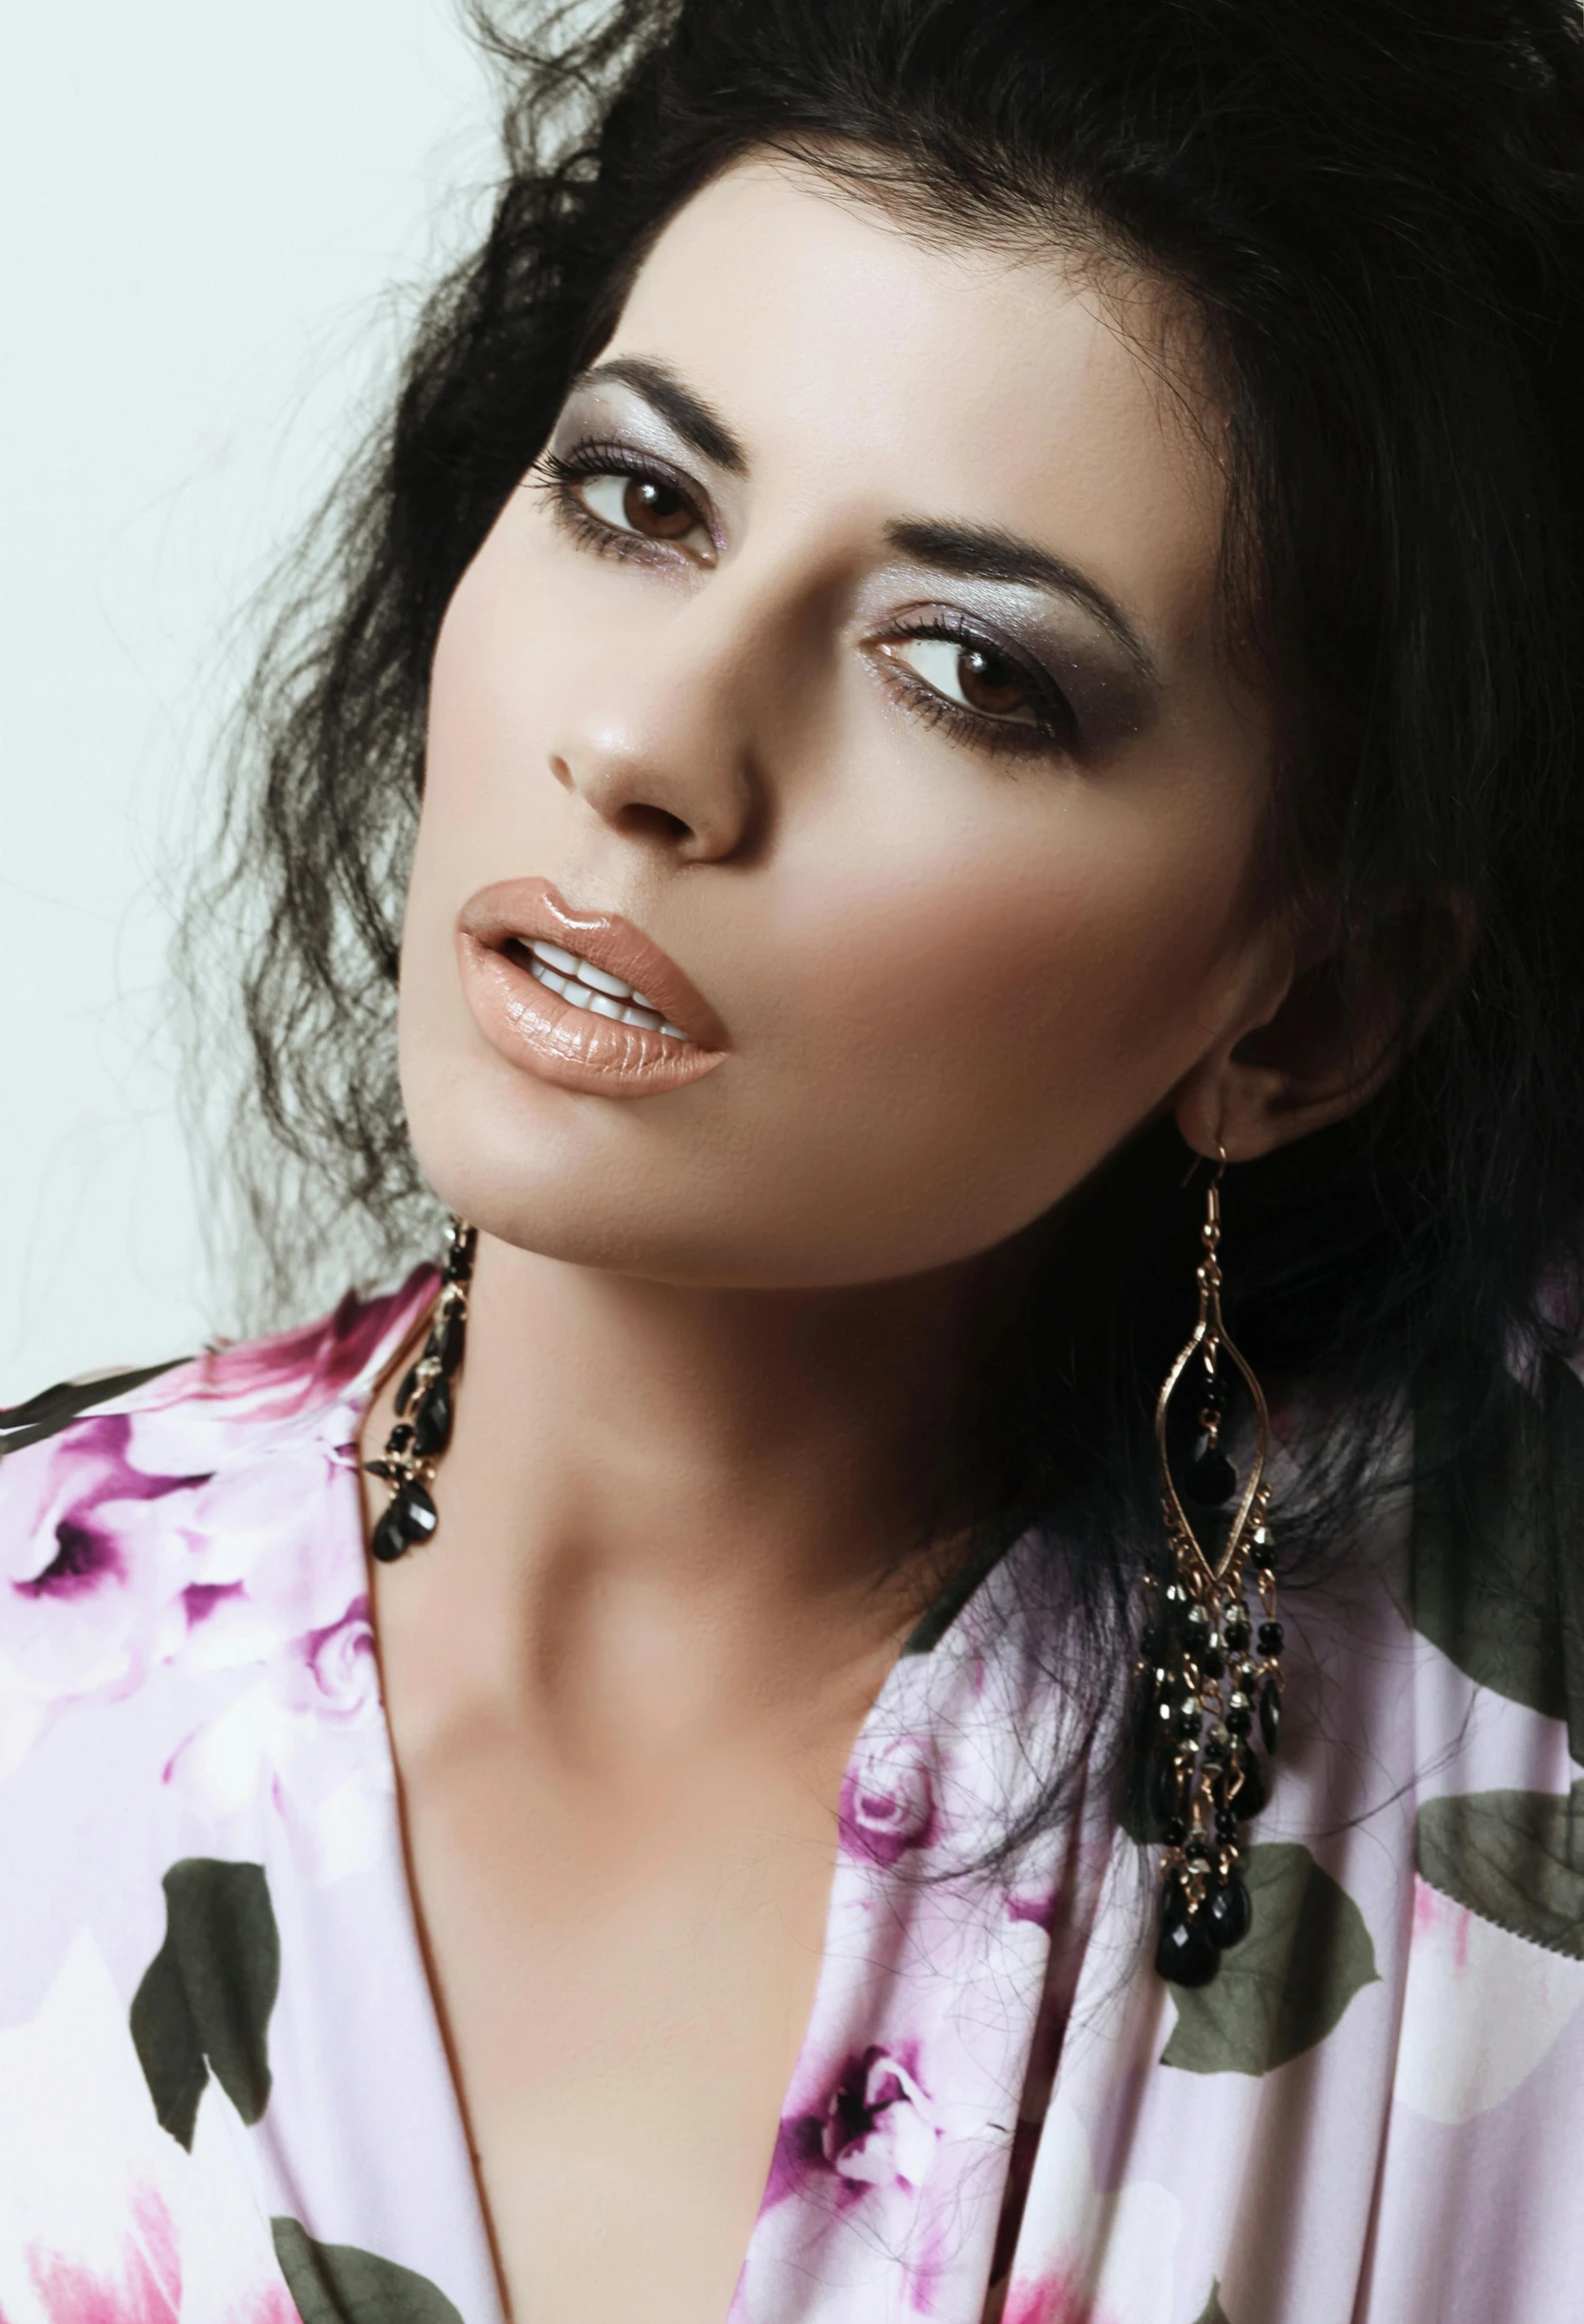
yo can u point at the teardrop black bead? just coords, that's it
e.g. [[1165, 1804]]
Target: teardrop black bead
[[433, 1420], [410, 1517], [1252, 1791], [1212, 1479], [407, 1390], [1270, 1714], [1228, 1913], [388, 1541], [419, 1516], [1186, 1953]]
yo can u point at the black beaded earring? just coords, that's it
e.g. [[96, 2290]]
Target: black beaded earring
[[424, 1410], [1202, 1668]]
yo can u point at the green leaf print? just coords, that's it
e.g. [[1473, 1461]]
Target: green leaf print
[[1514, 1857], [1212, 2312], [1287, 1985], [331, 2283], [204, 2004], [1489, 1587]]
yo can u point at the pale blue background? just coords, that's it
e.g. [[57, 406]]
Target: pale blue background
[[212, 217]]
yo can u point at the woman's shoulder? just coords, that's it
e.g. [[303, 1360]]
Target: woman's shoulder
[[185, 1515], [230, 1397]]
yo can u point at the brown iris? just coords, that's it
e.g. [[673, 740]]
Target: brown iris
[[989, 683], [655, 509]]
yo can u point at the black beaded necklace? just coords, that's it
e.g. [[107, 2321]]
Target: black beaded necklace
[[424, 1410]]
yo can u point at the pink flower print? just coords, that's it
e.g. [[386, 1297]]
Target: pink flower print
[[185, 1417], [1058, 2299], [877, 2129], [331, 1673], [149, 2289], [105, 2219], [305, 1742], [279, 1552], [94, 1555], [889, 1800], [1087, 2254], [273, 1379]]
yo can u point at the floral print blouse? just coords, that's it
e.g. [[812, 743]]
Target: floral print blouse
[[223, 2092]]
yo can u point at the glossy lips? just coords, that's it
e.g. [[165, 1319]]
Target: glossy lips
[[607, 1037]]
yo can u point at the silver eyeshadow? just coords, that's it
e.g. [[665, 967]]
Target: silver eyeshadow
[[1064, 627]]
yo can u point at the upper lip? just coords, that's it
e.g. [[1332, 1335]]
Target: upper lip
[[525, 908]]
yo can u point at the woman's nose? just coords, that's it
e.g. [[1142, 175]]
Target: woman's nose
[[661, 748]]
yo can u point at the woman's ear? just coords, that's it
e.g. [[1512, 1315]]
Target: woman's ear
[[1333, 1038]]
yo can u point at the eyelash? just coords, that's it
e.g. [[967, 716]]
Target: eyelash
[[560, 472], [1053, 733], [1054, 728]]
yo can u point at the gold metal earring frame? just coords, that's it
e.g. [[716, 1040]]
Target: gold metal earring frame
[[1209, 1341], [1203, 1673]]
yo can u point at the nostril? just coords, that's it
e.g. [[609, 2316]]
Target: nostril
[[659, 823]]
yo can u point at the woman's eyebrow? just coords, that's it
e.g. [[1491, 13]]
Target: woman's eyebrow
[[688, 413], [982, 553], [972, 552]]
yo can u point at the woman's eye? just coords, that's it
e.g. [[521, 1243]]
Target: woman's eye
[[642, 505], [972, 676]]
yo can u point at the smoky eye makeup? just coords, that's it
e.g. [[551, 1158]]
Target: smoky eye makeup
[[620, 500], [612, 483], [973, 685], [1031, 686], [1043, 688]]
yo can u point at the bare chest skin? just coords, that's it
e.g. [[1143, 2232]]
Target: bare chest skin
[[625, 1984], [624, 1958]]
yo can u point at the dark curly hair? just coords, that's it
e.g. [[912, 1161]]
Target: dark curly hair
[[1375, 208]]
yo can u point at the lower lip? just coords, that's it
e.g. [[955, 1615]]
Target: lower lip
[[532, 1027]]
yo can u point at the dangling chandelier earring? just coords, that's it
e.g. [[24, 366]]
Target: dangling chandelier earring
[[1204, 1672], [424, 1410]]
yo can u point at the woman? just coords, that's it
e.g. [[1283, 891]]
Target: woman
[[972, 615]]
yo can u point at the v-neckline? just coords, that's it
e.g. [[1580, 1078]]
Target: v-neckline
[[345, 1422]]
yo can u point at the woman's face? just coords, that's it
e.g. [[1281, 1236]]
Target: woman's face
[[855, 646]]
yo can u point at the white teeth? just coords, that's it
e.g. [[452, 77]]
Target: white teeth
[[639, 1000], [597, 979], [602, 982], [592, 989]]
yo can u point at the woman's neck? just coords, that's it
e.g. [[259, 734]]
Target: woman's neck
[[664, 1506]]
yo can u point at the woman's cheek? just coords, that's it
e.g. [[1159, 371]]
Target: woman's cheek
[[997, 1030]]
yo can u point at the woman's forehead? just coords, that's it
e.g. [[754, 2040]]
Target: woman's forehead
[[868, 362]]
